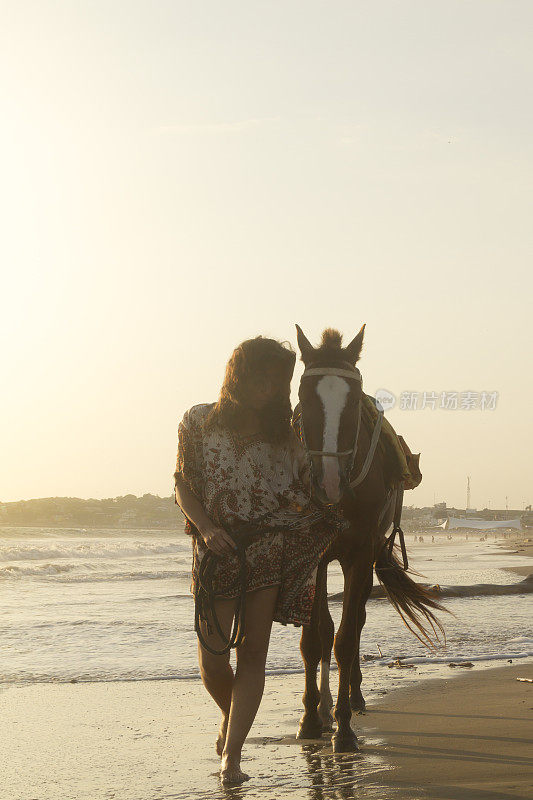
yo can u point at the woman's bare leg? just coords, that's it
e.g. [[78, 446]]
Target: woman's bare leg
[[216, 671], [249, 680]]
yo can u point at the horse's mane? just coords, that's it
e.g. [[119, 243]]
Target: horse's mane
[[330, 344], [331, 338]]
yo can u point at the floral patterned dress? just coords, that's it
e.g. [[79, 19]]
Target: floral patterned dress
[[239, 479]]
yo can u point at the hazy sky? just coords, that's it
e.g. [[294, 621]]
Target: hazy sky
[[179, 176]]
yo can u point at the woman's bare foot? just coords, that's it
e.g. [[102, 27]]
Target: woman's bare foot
[[221, 738], [231, 772]]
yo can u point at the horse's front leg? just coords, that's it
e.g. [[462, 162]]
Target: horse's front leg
[[311, 725], [357, 701], [344, 739]]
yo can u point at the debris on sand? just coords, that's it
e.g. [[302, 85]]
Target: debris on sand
[[525, 680], [476, 590], [398, 664], [460, 664], [369, 657]]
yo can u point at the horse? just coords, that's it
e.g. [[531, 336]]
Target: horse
[[349, 473]]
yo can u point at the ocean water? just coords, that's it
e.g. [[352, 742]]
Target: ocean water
[[108, 605]]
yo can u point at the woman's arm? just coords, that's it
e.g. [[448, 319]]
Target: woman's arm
[[216, 538]]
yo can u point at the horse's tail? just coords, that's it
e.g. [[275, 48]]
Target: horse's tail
[[413, 602]]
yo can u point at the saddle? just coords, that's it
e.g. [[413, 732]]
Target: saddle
[[405, 464], [412, 465]]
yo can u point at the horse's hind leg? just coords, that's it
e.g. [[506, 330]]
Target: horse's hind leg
[[327, 632], [357, 701], [311, 725]]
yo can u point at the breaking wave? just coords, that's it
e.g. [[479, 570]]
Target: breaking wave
[[83, 573], [33, 551]]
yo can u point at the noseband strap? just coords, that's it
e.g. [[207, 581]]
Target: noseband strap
[[328, 453]]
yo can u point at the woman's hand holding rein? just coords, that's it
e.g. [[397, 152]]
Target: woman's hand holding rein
[[216, 538]]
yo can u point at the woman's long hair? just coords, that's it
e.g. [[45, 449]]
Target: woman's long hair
[[249, 361]]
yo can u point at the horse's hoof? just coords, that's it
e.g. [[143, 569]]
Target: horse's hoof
[[326, 718], [357, 703], [345, 743], [309, 729]]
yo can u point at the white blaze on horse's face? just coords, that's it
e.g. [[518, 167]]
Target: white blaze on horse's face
[[333, 392]]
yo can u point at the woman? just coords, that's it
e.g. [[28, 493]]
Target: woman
[[239, 460]]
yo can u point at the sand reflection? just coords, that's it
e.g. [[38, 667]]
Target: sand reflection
[[284, 767]]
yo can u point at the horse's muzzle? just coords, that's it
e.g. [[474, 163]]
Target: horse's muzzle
[[321, 496]]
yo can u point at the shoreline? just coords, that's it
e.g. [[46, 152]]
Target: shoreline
[[524, 548], [89, 528], [458, 738]]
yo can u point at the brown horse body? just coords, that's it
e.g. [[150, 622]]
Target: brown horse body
[[369, 511]]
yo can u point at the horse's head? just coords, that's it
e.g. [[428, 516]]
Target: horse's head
[[330, 407]]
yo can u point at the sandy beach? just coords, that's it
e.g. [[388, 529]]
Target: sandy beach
[[433, 733], [469, 737], [466, 737], [521, 545]]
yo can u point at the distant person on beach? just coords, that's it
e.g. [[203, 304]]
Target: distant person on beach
[[239, 460]]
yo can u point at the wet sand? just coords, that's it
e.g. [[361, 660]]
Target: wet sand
[[469, 737], [521, 544], [463, 737]]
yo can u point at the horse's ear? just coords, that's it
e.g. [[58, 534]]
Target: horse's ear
[[353, 350], [306, 348]]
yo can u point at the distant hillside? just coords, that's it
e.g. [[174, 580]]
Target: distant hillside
[[161, 513], [129, 511]]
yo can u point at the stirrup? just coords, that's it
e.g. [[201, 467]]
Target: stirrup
[[389, 544]]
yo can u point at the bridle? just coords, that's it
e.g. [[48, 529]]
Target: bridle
[[394, 494], [353, 374]]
